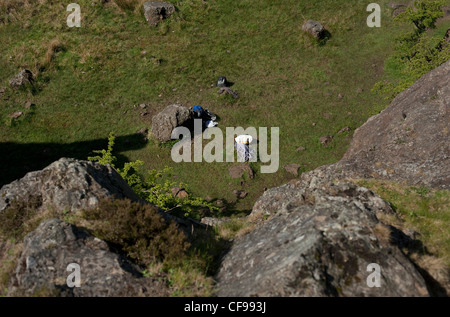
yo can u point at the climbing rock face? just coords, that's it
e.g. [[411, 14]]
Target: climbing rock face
[[68, 185], [409, 140], [51, 253], [319, 241]]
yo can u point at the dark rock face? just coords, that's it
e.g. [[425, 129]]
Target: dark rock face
[[21, 79], [54, 245], [319, 242], [409, 140], [68, 184], [167, 120], [155, 11]]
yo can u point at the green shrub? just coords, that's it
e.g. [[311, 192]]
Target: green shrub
[[416, 52], [156, 188], [138, 229]]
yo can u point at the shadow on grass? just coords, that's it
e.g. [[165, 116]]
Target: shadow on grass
[[18, 159]]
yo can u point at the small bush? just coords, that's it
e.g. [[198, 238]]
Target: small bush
[[138, 230], [14, 221]]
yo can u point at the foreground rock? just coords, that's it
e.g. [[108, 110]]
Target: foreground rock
[[319, 242], [156, 11], [409, 140], [171, 117], [68, 185], [47, 252]]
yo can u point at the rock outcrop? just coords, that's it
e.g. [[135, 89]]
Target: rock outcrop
[[43, 267], [171, 117], [409, 140], [314, 28], [319, 241], [68, 185]]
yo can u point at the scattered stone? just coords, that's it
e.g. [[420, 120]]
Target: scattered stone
[[21, 79], [228, 91], [156, 11], [344, 129], [143, 105], [179, 192], [15, 115], [314, 28], [325, 140], [240, 194], [237, 171], [171, 117], [292, 168], [47, 251], [340, 96], [313, 124], [300, 148]]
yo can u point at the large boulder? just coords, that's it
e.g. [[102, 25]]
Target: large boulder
[[68, 185], [155, 11], [409, 140], [47, 252], [171, 117], [319, 241]]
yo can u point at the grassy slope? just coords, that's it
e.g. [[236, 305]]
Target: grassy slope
[[90, 86]]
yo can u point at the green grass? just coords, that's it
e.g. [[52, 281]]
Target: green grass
[[284, 79]]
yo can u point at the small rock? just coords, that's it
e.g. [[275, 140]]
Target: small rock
[[314, 28], [156, 11], [300, 148], [15, 115], [325, 140], [240, 194], [29, 104], [179, 192], [344, 129], [21, 79], [292, 168], [143, 105], [313, 124], [143, 132], [237, 171], [340, 96], [228, 91]]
